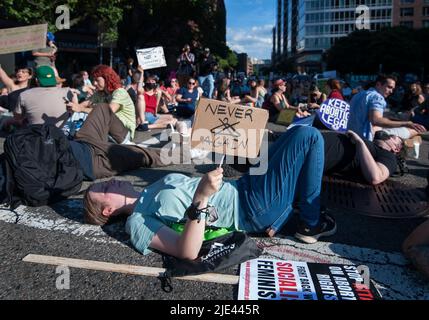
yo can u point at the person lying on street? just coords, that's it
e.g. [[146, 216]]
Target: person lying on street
[[255, 204]]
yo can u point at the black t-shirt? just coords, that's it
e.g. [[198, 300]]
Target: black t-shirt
[[340, 155], [13, 98], [207, 65]]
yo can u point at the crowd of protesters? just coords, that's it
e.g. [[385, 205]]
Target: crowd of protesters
[[110, 110]]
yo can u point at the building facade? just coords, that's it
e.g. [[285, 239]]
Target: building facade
[[310, 27], [411, 13]]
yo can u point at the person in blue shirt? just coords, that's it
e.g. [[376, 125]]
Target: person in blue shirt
[[254, 203], [367, 109], [186, 99]]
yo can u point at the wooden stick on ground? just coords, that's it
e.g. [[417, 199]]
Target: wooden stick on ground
[[125, 268]]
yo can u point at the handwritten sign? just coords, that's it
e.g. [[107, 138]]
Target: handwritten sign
[[23, 38], [229, 129], [334, 114], [272, 279], [151, 58]]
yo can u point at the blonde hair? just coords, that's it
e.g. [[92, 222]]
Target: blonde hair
[[92, 211]]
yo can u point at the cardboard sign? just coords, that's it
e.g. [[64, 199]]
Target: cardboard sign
[[229, 129], [334, 114], [151, 58], [270, 279], [23, 38]]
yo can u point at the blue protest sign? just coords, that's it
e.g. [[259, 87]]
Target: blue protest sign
[[334, 114]]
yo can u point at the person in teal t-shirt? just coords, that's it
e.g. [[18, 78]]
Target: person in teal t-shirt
[[254, 203]]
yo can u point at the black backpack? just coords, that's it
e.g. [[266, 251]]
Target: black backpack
[[39, 167], [215, 255]]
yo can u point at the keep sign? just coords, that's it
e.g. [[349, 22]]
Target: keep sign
[[334, 114], [151, 58], [228, 128], [23, 38]]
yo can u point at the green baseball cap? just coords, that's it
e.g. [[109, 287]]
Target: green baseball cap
[[46, 76]]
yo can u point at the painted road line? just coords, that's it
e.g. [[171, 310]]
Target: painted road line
[[389, 270]]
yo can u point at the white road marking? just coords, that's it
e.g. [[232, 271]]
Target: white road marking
[[389, 270]]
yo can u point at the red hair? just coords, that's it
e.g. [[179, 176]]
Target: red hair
[[109, 75]]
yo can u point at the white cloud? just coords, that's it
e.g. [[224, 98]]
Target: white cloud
[[256, 41]]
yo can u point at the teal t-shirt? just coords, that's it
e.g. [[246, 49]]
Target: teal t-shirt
[[166, 201]]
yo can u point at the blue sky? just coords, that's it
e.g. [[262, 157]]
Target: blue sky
[[249, 26]]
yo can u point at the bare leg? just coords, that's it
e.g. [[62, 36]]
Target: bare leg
[[420, 236]]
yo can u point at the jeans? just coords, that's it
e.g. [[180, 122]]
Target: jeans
[[210, 79], [295, 167]]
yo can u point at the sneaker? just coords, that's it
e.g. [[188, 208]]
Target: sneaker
[[143, 127], [326, 227]]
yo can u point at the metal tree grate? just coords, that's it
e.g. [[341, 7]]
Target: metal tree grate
[[391, 199]]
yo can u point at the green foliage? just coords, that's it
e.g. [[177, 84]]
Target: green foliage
[[108, 13], [396, 49]]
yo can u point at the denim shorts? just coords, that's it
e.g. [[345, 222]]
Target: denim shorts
[[150, 117]]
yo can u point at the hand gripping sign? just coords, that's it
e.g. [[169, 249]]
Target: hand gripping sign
[[151, 58], [334, 114], [228, 128]]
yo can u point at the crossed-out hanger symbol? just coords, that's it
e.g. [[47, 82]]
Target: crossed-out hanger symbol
[[226, 129]]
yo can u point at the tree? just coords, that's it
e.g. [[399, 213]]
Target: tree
[[108, 13]]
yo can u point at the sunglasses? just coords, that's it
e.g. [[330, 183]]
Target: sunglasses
[[191, 83]]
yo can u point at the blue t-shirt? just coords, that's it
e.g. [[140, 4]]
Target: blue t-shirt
[[360, 106], [186, 95], [166, 201]]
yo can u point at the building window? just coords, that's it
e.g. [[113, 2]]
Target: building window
[[407, 24], [407, 12], [426, 11], [407, 1], [425, 23]]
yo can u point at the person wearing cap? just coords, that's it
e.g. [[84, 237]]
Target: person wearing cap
[[278, 101], [207, 66], [45, 103]]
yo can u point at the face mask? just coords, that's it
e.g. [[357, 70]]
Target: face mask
[[150, 86]]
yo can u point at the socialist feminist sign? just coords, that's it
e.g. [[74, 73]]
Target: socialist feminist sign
[[334, 114], [229, 129]]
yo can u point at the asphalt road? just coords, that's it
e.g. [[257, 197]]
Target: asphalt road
[[57, 230]]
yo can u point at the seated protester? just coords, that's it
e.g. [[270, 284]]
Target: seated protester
[[253, 204], [109, 91], [133, 87], [416, 248], [172, 91], [100, 158], [147, 108], [414, 98], [315, 97], [367, 112], [251, 98], [262, 91], [44, 104], [278, 101], [186, 99], [333, 87], [85, 91], [15, 87], [223, 92]]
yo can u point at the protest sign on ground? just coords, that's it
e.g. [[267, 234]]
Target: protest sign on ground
[[334, 114], [151, 58], [271, 279], [228, 128], [23, 38]]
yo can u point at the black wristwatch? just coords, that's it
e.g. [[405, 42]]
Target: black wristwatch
[[193, 213], [208, 213]]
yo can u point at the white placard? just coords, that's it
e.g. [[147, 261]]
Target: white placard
[[151, 58]]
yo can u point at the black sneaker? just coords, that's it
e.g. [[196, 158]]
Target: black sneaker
[[143, 127], [326, 227]]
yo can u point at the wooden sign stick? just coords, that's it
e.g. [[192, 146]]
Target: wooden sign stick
[[126, 268]]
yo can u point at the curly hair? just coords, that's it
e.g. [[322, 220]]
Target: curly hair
[[112, 79]]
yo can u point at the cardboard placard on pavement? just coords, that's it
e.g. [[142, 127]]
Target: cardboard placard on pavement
[[227, 128], [273, 279], [23, 38], [151, 58]]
